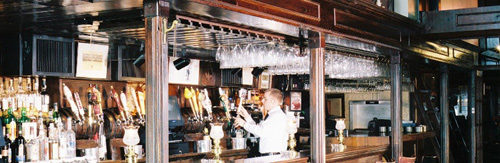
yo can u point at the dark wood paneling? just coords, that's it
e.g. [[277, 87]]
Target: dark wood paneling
[[210, 74], [461, 23], [285, 8]]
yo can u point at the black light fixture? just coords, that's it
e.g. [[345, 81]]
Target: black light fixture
[[181, 63], [139, 61], [257, 71]]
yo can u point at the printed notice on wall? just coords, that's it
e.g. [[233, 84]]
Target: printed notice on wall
[[92, 61], [296, 101], [247, 78]]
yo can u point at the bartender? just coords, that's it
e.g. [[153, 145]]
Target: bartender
[[273, 129]]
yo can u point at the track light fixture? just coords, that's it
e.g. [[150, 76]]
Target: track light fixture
[[181, 63]]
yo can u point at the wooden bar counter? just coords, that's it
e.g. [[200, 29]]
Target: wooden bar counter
[[284, 158], [357, 154], [363, 148], [225, 155]]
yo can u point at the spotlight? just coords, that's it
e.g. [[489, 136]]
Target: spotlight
[[257, 71], [181, 63], [139, 61]]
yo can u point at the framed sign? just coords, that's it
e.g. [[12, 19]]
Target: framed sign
[[264, 81], [92, 60], [247, 77], [296, 101]]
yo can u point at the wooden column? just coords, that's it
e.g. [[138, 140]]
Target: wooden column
[[396, 116], [445, 129], [317, 96], [155, 13], [479, 117]]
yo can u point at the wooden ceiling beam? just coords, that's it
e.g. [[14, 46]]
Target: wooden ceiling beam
[[462, 23]]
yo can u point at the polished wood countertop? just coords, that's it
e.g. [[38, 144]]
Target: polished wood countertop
[[362, 140], [229, 154], [418, 136], [283, 158], [369, 153]]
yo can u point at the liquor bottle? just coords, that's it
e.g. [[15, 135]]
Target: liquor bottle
[[6, 148], [7, 153], [18, 148], [71, 140], [63, 140], [6, 136], [2, 86], [24, 111], [38, 98], [55, 113], [33, 150], [11, 127], [28, 86], [5, 111], [44, 96], [36, 84], [20, 89], [43, 142], [53, 142]]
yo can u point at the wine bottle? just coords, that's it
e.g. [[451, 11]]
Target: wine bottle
[[19, 146], [6, 136], [7, 153], [5, 149]]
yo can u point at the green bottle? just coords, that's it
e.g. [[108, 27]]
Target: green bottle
[[23, 118], [55, 114]]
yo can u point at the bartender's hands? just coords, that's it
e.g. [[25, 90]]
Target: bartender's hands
[[243, 112], [239, 122]]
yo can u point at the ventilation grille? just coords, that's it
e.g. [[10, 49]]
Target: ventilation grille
[[230, 77], [54, 56]]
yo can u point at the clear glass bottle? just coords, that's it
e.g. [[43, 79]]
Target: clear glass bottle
[[63, 140], [43, 142], [33, 150], [53, 142], [71, 138], [45, 97]]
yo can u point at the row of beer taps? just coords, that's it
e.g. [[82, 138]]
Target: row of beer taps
[[128, 102], [199, 100]]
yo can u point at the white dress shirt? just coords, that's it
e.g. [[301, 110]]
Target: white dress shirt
[[273, 131]]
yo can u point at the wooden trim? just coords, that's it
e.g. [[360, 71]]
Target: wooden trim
[[288, 11]]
